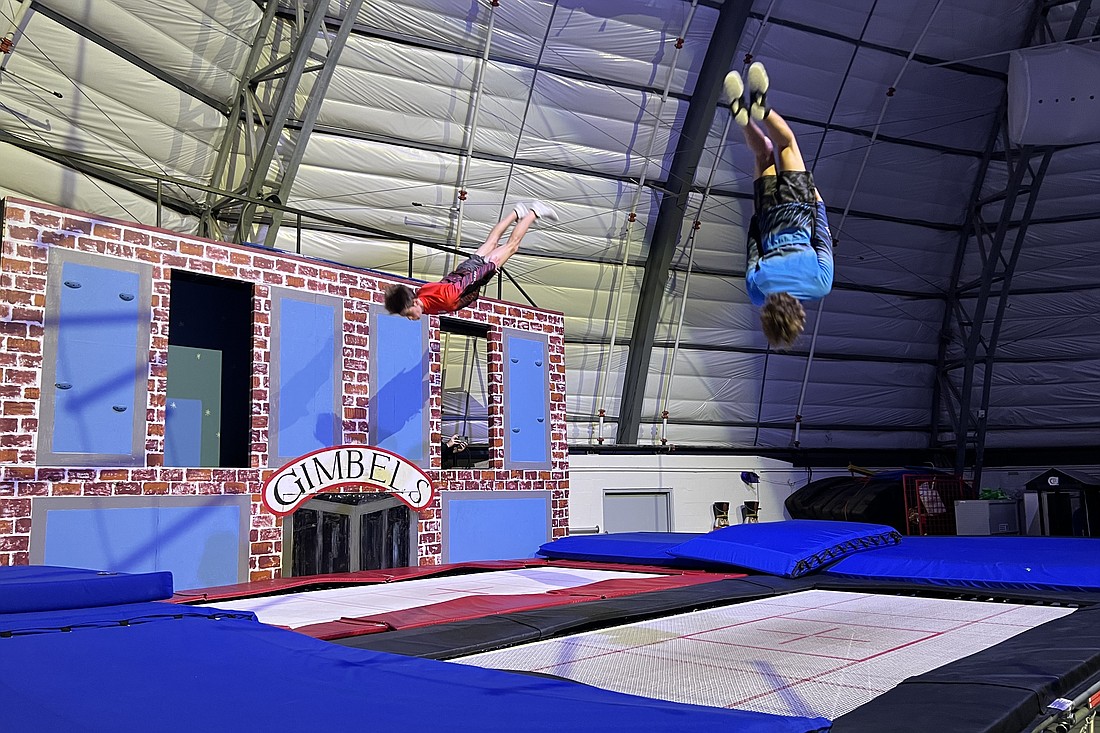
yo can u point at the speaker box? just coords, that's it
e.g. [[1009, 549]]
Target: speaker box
[[1054, 96]]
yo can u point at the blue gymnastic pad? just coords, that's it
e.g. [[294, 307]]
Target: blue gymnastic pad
[[28, 588], [632, 548], [163, 667], [788, 549], [1032, 563]]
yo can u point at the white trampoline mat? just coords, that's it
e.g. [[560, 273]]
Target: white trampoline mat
[[813, 653], [313, 607]]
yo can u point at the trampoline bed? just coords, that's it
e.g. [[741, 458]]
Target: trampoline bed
[[809, 653], [463, 592]]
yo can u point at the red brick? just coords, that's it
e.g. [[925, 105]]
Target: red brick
[[15, 543], [15, 508], [76, 225], [68, 489], [107, 232]]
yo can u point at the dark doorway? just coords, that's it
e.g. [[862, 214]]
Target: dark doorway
[[347, 532], [212, 315]]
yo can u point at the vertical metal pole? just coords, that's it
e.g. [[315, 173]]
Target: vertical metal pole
[[848, 207], [467, 155], [687, 281], [159, 203], [632, 217]]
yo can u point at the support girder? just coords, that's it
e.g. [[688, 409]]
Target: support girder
[[999, 240], [670, 217]]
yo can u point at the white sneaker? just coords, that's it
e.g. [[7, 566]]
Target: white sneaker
[[735, 92], [522, 210], [543, 211], [758, 91]]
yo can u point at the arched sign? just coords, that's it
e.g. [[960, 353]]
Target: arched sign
[[346, 465]]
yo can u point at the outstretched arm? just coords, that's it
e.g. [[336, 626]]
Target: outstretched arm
[[822, 242], [752, 246], [752, 242], [822, 239]]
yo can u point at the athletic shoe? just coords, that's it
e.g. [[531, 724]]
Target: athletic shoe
[[735, 91], [522, 210], [758, 91], [543, 211]]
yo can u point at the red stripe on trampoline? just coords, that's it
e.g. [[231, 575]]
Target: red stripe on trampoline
[[852, 663], [361, 577], [471, 607], [390, 575]]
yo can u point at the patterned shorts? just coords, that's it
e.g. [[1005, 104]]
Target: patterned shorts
[[475, 271], [785, 204]]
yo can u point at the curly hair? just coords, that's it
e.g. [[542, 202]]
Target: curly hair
[[398, 298], [782, 319]]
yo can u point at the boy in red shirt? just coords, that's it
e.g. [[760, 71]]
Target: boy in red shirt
[[462, 286]]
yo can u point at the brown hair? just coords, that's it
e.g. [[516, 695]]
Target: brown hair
[[398, 298], [782, 319]]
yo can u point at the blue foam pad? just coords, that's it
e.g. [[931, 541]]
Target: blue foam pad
[[788, 549], [1034, 563], [29, 588], [173, 673], [632, 548]]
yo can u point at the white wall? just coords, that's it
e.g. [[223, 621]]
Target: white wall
[[696, 482]]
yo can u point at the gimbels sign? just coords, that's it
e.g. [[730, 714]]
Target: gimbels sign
[[346, 465]]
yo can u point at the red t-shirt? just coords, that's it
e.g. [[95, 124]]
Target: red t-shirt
[[458, 289], [441, 297]]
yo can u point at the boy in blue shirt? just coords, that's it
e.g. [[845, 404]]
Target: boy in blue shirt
[[790, 249]]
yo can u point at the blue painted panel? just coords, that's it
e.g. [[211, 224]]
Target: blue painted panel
[[399, 397], [183, 432], [306, 389], [199, 545], [496, 529], [527, 401], [97, 336], [119, 540]]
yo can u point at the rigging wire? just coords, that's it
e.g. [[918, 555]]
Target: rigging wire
[[626, 241], [851, 197]]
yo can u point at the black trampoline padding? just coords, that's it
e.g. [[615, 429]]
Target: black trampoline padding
[[999, 690], [445, 641]]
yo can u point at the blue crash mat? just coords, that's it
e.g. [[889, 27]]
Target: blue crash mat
[[178, 672], [632, 548], [1033, 563], [29, 588]]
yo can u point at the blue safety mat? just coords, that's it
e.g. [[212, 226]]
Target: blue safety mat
[[1033, 563], [788, 549], [169, 668], [632, 548], [29, 588]]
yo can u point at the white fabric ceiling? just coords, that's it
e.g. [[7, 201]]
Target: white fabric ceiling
[[572, 111]]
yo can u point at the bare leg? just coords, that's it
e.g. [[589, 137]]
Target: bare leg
[[786, 146], [762, 150], [493, 239], [499, 255]]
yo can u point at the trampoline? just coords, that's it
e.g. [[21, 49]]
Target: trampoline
[[809, 653], [575, 644], [462, 591]]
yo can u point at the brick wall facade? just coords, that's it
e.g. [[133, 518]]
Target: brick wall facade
[[30, 229]]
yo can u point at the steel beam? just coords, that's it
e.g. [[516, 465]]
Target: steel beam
[[673, 208], [971, 326]]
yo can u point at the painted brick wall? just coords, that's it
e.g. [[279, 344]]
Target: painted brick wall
[[30, 229]]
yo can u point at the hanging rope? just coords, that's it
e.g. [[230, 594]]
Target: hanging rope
[[847, 208], [464, 162], [667, 387], [601, 384]]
